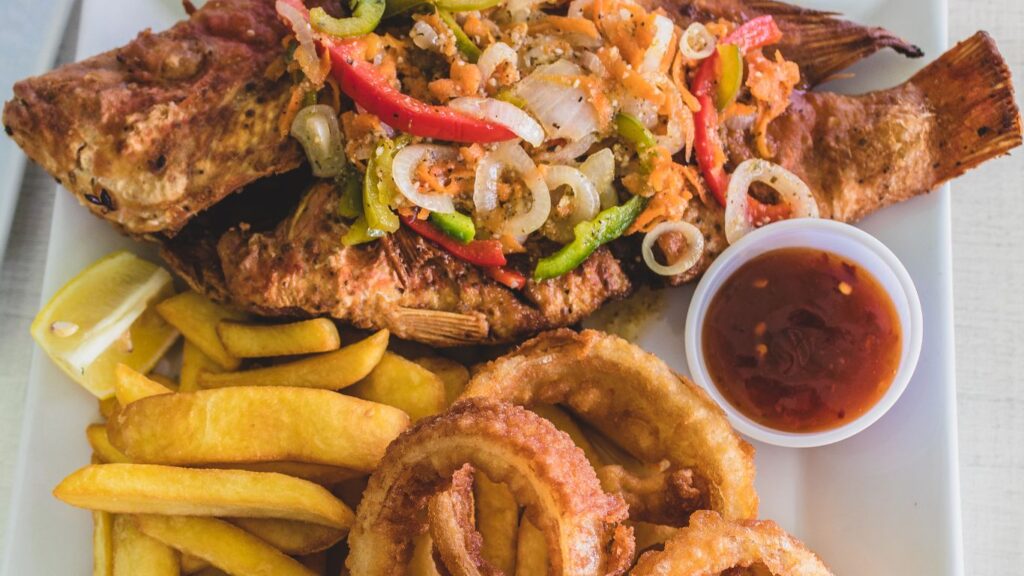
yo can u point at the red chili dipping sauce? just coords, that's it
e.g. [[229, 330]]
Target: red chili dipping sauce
[[801, 340]]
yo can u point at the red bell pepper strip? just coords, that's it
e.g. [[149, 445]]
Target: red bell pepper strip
[[361, 82], [506, 277], [753, 34], [486, 253]]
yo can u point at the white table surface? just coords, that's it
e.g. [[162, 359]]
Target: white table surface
[[988, 238]]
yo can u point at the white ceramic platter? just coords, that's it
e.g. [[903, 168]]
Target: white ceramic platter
[[883, 503]]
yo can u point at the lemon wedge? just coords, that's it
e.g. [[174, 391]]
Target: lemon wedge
[[106, 316]]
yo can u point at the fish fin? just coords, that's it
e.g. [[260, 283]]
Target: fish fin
[[438, 328], [823, 44], [970, 91]]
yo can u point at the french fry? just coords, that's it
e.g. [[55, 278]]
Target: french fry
[[292, 538], [192, 564], [131, 385], [217, 427], [331, 370], [101, 446], [225, 546], [151, 489], [164, 381], [403, 384], [532, 550], [422, 561], [136, 554], [102, 544], [321, 474], [194, 361], [108, 406], [196, 317], [454, 375], [497, 520], [564, 422], [211, 571], [262, 340]]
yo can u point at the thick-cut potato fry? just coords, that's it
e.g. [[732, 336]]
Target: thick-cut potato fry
[[102, 544], [263, 340], [211, 571], [331, 370], [497, 520], [292, 538], [164, 381], [257, 425], [136, 554], [194, 361], [422, 561], [108, 406], [532, 550], [101, 446], [196, 317], [191, 564], [151, 489], [225, 546], [564, 422], [403, 384], [322, 474], [131, 385], [454, 375]]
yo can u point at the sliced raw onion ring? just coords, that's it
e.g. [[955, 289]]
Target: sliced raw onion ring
[[663, 30], [510, 156], [793, 190], [404, 166], [316, 128], [493, 56], [305, 54], [504, 113], [599, 168], [694, 248], [697, 43], [585, 201], [577, 7]]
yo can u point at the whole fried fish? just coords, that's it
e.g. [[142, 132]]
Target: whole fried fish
[[150, 134]]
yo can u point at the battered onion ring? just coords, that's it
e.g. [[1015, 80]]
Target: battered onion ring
[[711, 545], [545, 471], [452, 518], [637, 401]]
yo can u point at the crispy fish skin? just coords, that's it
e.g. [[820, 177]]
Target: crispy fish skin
[[859, 154], [149, 134], [402, 282]]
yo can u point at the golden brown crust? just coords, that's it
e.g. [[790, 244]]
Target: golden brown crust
[[151, 133], [636, 400], [545, 471], [712, 545]]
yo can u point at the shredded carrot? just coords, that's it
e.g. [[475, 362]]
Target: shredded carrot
[[467, 76], [291, 110], [771, 84], [566, 25], [335, 94], [276, 69], [477, 29], [633, 81], [679, 79]]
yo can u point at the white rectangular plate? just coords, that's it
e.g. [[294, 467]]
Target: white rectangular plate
[[885, 502]]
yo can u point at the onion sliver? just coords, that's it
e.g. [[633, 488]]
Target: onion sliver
[[585, 201], [694, 248], [697, 43], [790, 187], [493, 56], [316, 128], [577, 8], [599, 168], [508, 115], [305, 54], [510, 156], [404, 166], [554, 98], [663, 30]]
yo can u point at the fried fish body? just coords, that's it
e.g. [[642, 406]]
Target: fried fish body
[[859, 154], [149, 134]]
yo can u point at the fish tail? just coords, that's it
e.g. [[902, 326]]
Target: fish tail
[[971, 94], [823, 44]]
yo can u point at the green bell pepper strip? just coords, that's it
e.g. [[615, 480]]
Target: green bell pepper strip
[[351, 203], [590, 235], [730, 75], [470, 50], [366, 14], [360, 233], [376, 189], [455, 224], [634, 132], [466, 5]]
